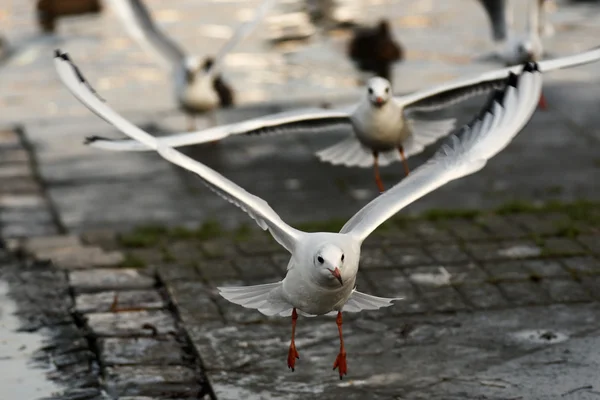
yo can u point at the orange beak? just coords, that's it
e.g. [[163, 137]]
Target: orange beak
[[379, 100], [338, 275]]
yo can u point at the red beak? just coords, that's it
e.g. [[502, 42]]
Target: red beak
[[338, 275], [379, 100], [542, 104]]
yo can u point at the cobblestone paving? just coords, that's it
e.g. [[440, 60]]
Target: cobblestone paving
[[135, 344], [515, 278], [24, 207], [516, 281], [44, 307]]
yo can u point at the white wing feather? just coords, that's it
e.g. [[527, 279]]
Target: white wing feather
[[256, 207], [328, 120], [479, 142], [359, 301], [461, 89]]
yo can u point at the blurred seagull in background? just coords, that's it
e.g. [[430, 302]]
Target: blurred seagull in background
[[198, 85], [374, 49], [382, 129], [501, 16], [322, 271], [514, 48]]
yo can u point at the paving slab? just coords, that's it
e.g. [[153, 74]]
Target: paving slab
[[110, 279], [131, 323]]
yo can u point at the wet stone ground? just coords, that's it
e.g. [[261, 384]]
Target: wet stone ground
[[99, 348], [494, 302]]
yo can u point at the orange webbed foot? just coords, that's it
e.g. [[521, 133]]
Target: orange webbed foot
[[292, 356], [340, 364]]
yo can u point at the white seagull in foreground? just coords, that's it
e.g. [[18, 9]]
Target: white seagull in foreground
[[381, 128], [321, 274], [198, 86]]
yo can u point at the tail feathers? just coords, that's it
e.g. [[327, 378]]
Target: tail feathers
[[265, 298], [349, 152], [361, 301], [425, 133]]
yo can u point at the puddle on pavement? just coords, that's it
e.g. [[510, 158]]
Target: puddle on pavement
[[20, 379]]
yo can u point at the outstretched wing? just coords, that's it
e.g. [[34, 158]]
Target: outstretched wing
[[454, 92], [506, 114], [254, 206], [297, 121], [139, 24]]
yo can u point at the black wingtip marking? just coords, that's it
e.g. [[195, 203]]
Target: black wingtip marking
[[92, 139], [65, 56], [530, 67], [512, 79]]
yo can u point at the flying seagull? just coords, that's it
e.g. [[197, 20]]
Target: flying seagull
[[321, 274], [197, 83], [381, 128]]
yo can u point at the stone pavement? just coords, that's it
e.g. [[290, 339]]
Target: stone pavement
[[554, 157], [515, 303]]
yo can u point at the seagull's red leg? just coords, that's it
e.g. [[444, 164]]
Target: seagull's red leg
[[542, 104], [377, 177], [292, 352], [406, 169], [340, 361]]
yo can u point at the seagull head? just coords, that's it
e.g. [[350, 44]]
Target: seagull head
[[329, 262], [379, 91]]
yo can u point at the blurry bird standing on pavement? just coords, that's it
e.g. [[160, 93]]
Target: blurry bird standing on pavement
[[516, 49], [374, 49], [500, 14], [198, 85]]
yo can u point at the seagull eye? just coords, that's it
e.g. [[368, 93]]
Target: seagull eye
[[320, 260], [370, 90], [342, 257], [387, 89]]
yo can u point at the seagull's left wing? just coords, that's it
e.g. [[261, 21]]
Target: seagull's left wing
[[506, 114], [254, 206], [453, 92]]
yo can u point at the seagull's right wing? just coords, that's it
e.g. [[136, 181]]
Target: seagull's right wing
[[297, 121], [453, 92], [254, 206], [507, 113], [139, 24]]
